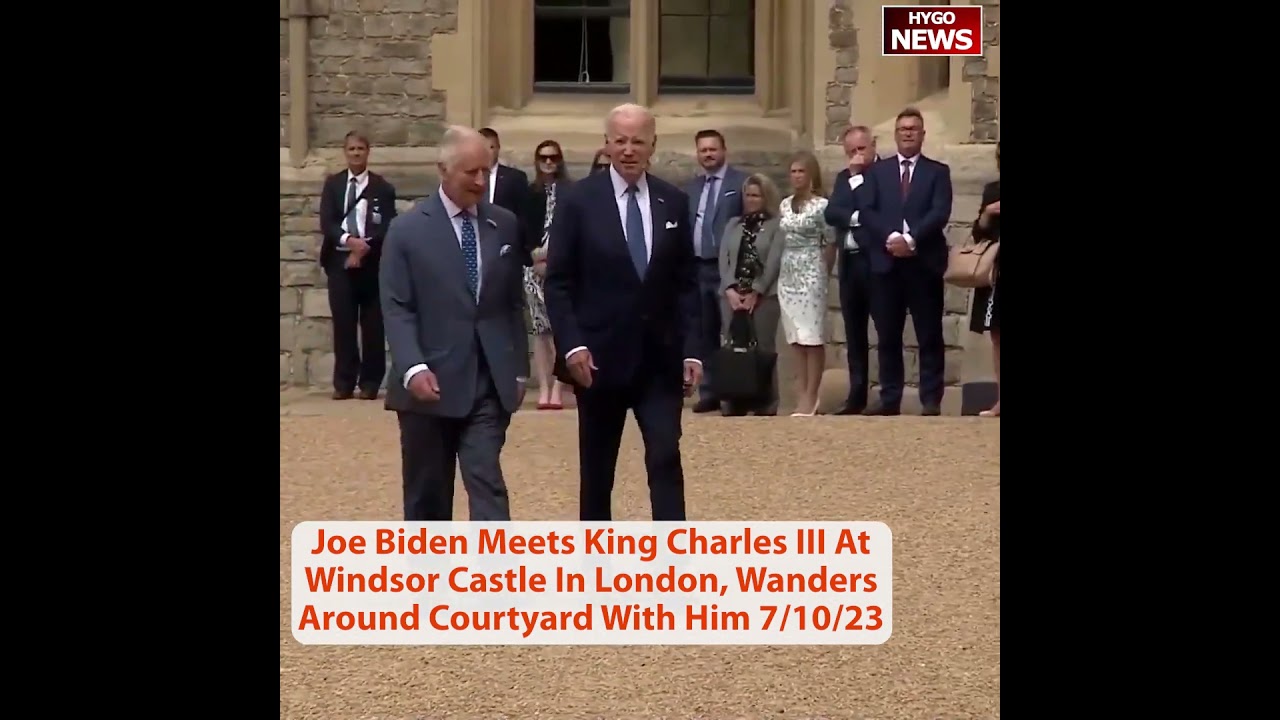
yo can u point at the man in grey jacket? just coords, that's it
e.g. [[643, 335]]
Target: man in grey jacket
[[451, 283]]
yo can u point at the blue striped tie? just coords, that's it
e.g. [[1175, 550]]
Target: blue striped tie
[[635, 232], [469, 254]]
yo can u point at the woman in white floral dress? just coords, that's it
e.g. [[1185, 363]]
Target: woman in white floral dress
[[807, 254]]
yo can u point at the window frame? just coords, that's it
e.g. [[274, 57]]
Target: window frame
[[710, 85], [581, 12]]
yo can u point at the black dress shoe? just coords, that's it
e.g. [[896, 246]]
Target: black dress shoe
[[342, 394], [729, 409], [882, 410], [931, 410], [850, 409], [767, 411], [369, 394], [706, 405]]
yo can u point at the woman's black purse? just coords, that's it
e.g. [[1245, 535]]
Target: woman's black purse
[[740, 370]]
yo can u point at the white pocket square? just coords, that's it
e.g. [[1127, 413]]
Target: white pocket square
[[672, 225], [505, 249], [731, 192], [855, 181]]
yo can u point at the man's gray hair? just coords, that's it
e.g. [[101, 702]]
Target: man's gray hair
[[629, 110], [857, 128], [455, 136]]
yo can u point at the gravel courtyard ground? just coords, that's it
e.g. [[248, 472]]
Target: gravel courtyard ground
[[935, 481]]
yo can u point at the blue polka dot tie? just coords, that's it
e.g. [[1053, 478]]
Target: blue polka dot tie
[[470, 254]]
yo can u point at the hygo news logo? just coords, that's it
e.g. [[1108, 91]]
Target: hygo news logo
[[939, 30]]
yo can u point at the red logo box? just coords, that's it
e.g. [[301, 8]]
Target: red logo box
[[935, 30]]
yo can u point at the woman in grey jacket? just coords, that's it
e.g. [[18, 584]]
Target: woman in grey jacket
[[750, 257]]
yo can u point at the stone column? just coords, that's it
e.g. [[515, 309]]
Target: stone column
[[843, 40], [983, 76]]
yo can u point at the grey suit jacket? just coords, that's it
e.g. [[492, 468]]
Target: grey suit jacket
[[728, 202], [431, 317], [769, 243]]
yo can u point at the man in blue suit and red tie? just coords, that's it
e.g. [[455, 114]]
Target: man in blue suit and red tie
[[906, 205], [622, 295]]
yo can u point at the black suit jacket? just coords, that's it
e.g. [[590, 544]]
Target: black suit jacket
[[511, 191], [840, 208], [595, 298], [380, 210], [927, 209]]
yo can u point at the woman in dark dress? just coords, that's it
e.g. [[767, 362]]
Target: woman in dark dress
[[985, 316]]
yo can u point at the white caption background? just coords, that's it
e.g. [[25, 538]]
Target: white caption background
[[708, 607]]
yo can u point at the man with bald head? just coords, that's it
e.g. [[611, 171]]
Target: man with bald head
[[452, 290], [622, 296]]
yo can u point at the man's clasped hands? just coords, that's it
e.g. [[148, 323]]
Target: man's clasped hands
[[359, 247]]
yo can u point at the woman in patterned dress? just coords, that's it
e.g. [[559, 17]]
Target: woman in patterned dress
[[550, 180], [807, 256]]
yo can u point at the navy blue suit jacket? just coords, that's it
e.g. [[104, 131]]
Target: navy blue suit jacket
[[927, 210], [840, 208], [595, 298]]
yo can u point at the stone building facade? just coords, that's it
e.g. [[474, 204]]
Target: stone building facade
[[785, 75]]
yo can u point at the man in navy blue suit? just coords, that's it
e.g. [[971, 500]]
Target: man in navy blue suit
[[855, 244], [906, 205], [622, 296]]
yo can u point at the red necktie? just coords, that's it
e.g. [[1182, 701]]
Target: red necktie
[[906, 178]]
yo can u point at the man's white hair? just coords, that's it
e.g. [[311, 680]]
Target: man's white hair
[[454, 139], [629, 110]]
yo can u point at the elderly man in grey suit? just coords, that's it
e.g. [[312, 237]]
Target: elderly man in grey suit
[[715, 197], [452, 294]]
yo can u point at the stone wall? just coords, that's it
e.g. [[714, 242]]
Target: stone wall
[[369, 64], [984, 79], [843, 39], [306, 344]]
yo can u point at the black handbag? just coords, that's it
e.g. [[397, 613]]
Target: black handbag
[[740, 370]]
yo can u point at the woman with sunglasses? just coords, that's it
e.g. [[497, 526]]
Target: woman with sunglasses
[[550, 180]]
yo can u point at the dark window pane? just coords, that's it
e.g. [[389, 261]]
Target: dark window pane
[[684, 7], [706, 45], [731, 58], [582, 8], [577, 53], [683, 50]]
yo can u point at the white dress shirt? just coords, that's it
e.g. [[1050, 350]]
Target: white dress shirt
[[855, 182], [362, 182], [456, 215], [493, 180], [906, 229], [646, 215]]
